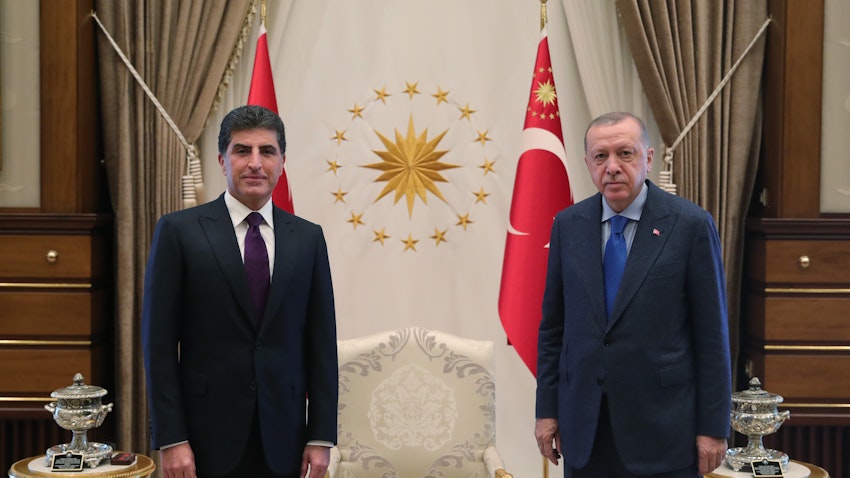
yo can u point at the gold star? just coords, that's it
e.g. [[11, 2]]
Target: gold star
[[545, 93], [339, 136], [482, 137], [439, 236], [380, 236], [442, 96], [333, 166], [481, 196], [382, 94], [355, 220], [339, 196], [411, 89], [464, 221], [356, 111], [488, 166], [410, 166], [466, 112], [410, 243]]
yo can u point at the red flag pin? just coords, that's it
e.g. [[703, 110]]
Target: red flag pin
[[656, 232]]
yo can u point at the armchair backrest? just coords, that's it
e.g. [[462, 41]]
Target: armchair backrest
[[415, 402]]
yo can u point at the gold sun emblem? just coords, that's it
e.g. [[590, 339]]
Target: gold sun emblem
[[546, 93], [411, 166]]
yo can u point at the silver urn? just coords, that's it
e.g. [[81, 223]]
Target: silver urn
[[755, 414], [78, 408]]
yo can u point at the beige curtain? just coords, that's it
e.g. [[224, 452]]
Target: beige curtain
[[182, 49], [682, 50]]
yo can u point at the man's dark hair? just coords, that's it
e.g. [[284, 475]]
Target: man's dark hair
[[250, 117], [616, 117]]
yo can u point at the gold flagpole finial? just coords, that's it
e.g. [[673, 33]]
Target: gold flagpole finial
[[263, 12], [543, 19]]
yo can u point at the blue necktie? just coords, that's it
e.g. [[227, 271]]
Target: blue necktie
[[614, 261], [257, 265]]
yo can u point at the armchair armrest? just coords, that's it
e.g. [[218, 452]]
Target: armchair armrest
[[333, 464], [493, 463]]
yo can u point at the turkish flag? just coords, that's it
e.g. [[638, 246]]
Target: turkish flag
[[262, 93], [541, 189]]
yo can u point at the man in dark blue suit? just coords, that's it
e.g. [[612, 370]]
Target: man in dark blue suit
[[228, 375], [638, 385]]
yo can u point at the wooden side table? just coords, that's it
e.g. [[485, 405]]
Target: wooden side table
[[35, 467], [796, 469]]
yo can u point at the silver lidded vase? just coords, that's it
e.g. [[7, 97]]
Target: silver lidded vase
[[755, 414], [78, 408]]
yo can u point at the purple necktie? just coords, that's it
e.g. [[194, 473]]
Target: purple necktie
[[615, 261], [257, 265]]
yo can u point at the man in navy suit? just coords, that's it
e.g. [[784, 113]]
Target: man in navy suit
[[640, 388], [228, 376]]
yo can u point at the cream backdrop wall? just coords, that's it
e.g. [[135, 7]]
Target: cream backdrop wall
[[328, 59], [835, 168], [19, 174]]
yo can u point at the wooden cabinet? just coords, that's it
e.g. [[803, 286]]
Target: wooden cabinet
[[55, 259], [54, 303], [797, 315], [55, 320]]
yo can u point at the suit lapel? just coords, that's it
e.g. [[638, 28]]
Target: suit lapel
[[218, 228], [285, 256], [587, 240], [652, 233]]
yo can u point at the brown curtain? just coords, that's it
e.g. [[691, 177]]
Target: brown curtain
[[181, 48], [682, 50]]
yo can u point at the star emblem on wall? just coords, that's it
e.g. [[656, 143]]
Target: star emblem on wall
[[444, 177]]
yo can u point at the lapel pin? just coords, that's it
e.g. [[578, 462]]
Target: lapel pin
[[656, 232]]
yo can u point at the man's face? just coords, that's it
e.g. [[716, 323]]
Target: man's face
[[252, 165], [618, 161]]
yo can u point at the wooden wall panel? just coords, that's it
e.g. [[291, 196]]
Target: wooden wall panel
[[800, 318], [49, 312], [793, 83], [72, 178]]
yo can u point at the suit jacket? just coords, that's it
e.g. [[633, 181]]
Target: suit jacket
[[196, 301], [662, 360]]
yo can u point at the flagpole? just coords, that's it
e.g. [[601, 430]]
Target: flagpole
[[543, 20], [263, 12]]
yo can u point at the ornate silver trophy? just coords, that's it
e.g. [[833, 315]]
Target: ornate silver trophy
[[78, 408], [755, 414]]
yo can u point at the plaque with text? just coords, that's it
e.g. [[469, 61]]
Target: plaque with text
[[67, 462], [767, 468]]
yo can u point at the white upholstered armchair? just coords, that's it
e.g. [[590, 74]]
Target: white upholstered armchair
[[416, 403]]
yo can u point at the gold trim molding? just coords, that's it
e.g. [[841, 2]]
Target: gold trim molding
[[808, 348], [25, 399], [50, 343], [42, 285], [803, 290], [814, 405]]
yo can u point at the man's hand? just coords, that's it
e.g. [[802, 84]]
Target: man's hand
[[318, 458], [711, 452], [178, 461], [546, 433]]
